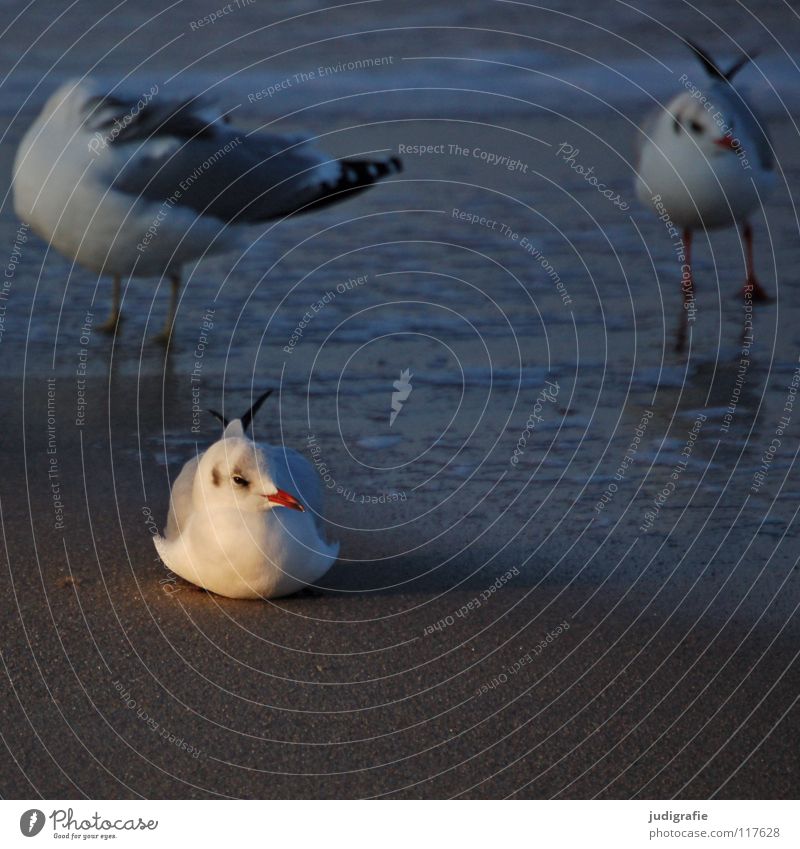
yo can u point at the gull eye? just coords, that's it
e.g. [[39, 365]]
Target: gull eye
[[696, 126], [240, 481]]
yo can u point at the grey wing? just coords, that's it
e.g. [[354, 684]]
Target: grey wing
[[180, 503], [122, 120], [226, 174], [242, 178], [297, 476]]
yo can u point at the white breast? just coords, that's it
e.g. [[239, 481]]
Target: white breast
[[249, 555]]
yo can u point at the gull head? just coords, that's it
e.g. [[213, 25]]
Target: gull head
[[235, 473], [71, 101], [690, 125]]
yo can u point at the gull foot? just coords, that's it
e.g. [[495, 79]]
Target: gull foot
[[680, 338], [164, 337], [111, 324], [756, 292]]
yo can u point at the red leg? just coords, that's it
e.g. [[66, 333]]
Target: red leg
[[687, 288], [752, 288]]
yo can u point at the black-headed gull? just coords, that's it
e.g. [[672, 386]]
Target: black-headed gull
[[141, 186], [236, 528], [706, 161]]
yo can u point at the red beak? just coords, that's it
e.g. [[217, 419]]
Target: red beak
[[283, 499], [727, 142]]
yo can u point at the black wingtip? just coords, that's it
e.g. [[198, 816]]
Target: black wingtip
[[248, 416], [713, 70], [739, 64], [219, 416], [706, 61]]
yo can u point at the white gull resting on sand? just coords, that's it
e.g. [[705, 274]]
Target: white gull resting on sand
[[706, 161], [139, 187], [233, 526]]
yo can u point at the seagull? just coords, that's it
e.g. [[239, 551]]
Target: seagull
[[706, 161], [234, 527], [138, 187]]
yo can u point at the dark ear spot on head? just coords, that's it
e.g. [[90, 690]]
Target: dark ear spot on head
[[676, 124], [215, 476]]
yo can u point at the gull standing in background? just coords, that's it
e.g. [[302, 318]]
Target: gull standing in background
[[706, 161], [139, 187], [224, 532]]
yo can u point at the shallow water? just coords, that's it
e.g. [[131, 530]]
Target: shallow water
[[483, 280]]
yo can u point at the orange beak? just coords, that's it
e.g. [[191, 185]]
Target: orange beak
[[283, 499], [727, 142]]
